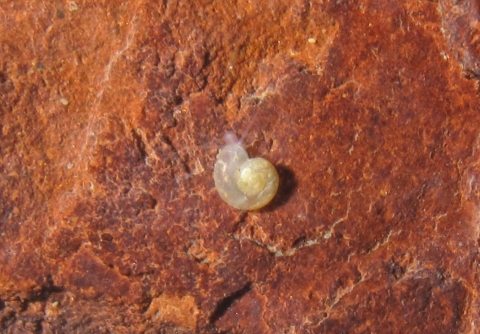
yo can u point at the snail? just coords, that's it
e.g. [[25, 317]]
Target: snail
[[244, 183]]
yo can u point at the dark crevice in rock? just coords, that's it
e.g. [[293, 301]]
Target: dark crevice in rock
[[240, 221], [140, 145], [43, 292], [224, 305], [167, 141]]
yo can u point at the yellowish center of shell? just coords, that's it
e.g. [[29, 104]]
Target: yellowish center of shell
[[252, 181]]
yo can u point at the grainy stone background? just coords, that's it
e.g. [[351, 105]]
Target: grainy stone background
[[111, 116]]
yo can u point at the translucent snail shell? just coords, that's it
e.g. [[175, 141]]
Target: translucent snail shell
[[244, 183]]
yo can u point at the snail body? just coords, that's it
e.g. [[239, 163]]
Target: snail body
[[243, 183]]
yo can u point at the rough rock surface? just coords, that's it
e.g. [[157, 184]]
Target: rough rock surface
[[111, 116]]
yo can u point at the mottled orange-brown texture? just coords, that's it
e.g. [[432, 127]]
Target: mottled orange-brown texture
[[112, 113]]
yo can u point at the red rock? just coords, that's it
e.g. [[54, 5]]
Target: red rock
[[112, 115]]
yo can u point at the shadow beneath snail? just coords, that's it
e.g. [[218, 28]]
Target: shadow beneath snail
[[286, 188]]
